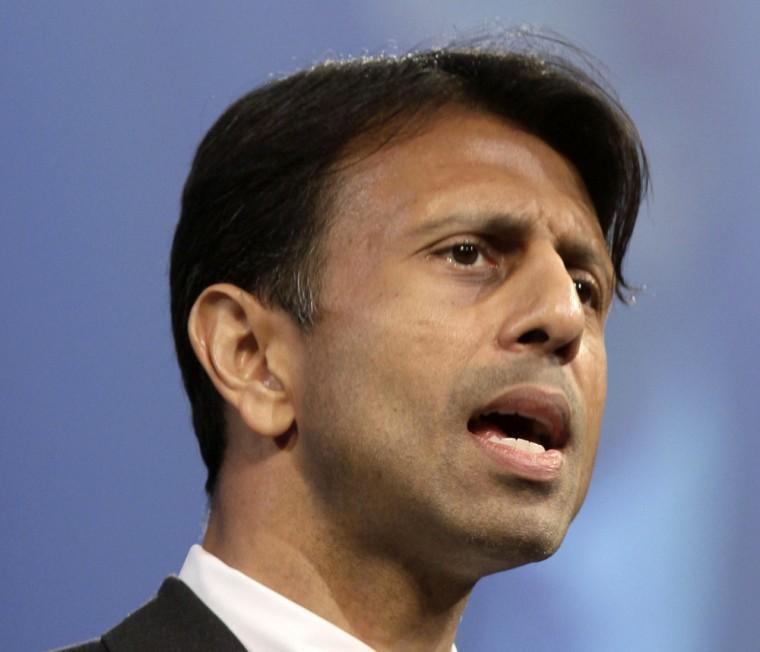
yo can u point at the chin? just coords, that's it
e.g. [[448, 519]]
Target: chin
[[531, 542]]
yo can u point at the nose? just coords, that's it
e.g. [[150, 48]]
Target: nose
[[545, 314]]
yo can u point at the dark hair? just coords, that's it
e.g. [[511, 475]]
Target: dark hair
[[255, 206]]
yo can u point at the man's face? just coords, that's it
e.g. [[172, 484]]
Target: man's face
[[466, 280]]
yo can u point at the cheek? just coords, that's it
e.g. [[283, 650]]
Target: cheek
[[594, 390], [404, 350], [375, 401], [406, 322], [396, 360], [594, 376], [600, 390]]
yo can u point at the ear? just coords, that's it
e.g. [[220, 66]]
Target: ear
[[246, 349]]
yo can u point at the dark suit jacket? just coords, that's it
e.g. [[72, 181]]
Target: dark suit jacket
[[174, 620]]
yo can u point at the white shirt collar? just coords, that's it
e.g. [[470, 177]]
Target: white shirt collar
[[259, 617]]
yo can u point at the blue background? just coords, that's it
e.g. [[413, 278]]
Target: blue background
[[101, 107]]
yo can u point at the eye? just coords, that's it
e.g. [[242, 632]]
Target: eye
[[588, 292], [465, 254]]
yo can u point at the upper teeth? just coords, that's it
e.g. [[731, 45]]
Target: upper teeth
[[519, 444]]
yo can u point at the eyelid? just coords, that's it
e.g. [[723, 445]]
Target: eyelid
[[486, 249], [464, 238], [599, 301]]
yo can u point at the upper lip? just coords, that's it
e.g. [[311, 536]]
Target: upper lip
[[549, 408]]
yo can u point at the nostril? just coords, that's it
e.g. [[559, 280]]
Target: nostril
[[535, 336], [567, 352]]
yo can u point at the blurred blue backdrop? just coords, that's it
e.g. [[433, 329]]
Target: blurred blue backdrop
[[102, 106]]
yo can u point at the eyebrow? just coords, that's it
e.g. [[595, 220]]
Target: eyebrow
[[502, 225], [578, 253]]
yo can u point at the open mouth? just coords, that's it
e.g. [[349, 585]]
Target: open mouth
[[524, 431], [515, 430], [528, 420]]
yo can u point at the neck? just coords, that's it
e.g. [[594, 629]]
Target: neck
[[389, 604]]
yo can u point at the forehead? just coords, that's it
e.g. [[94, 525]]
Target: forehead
[[461, 163]]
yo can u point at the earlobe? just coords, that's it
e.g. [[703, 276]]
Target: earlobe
[[237, 340]]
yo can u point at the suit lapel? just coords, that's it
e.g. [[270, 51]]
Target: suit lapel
[[175, 619]]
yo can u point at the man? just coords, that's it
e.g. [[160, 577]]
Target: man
[[389, 283]]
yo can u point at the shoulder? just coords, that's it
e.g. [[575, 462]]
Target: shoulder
[[175, 619], [89, 646]]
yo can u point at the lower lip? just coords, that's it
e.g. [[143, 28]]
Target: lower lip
[[541, 467]]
